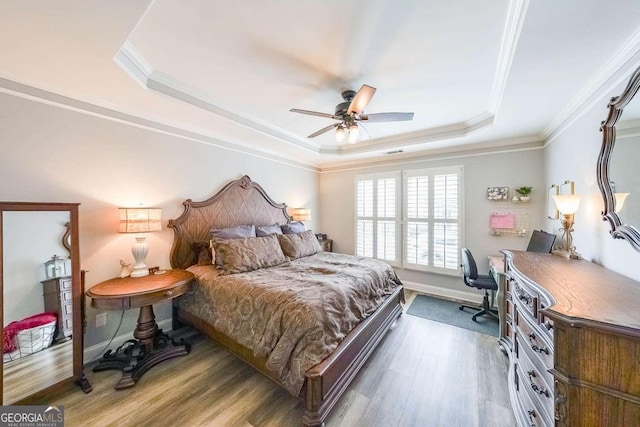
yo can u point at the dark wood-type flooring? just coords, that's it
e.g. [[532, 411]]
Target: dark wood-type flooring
[[424, 373]]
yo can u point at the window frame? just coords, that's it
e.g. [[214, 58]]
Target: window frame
[[431, 220], [396, 175], [402, 220]]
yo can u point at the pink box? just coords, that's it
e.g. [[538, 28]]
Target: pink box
[[507, 220]]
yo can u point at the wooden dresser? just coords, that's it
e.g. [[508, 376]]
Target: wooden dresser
[[573, 339], [57, 298]]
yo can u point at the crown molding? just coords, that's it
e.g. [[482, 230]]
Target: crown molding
[[12, 87], [440, 133], [511, 35], [136, 66], [130, 60], [511, 145], [611, 74]]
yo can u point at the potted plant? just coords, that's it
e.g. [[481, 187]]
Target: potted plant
[[524, 193]]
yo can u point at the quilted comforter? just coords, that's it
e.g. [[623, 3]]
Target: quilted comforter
[[294, 314]]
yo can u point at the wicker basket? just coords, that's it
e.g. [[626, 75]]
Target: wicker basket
[[32, 341]]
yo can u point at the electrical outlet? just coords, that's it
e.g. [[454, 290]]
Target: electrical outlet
[[101, 320]]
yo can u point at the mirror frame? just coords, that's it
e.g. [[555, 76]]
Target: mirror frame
[[619, 230], [76, 286]]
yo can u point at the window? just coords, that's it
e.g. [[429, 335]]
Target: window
[[424, 231], [377, 216]]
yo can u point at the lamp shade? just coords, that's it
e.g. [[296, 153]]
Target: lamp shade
[[567, 204], [140, 220], [354, 134], [301, 214], [341, 134]]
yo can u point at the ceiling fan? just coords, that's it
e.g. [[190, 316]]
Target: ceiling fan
[[350, 113]]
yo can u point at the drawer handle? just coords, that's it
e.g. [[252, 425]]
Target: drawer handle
[[535, 348], [541, 391], [532, 415], [532, 337], [548, 325], [168, 293], [534, 387]]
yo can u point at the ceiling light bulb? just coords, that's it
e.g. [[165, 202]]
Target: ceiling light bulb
[[354, 134], [341, 134]]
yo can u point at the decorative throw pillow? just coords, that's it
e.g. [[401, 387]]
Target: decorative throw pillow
[[300, 244], [293, 227], [265, 230], [239, 232], [252, 253]]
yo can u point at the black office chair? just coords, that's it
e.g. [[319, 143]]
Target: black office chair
[[541, 242], [475, 280]]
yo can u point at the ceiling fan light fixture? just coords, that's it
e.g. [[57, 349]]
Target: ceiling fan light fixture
[[354, 134], [341, 134]]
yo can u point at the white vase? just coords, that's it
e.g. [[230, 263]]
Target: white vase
[[524, 198]]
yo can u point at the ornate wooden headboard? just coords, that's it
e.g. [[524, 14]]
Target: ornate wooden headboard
[[240, 202]]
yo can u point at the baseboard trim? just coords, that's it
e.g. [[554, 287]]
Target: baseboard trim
[[452, 294], [95, 351]]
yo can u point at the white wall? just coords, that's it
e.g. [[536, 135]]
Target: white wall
[[29, 240], [515, 169], [573, 155], [54, 154]]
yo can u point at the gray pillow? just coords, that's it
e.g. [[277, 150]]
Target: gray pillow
[[239, 232], [294, 227], [265, 230], [300, 244], [252, 253]]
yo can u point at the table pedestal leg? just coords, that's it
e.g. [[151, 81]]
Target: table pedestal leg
[[135, 357]]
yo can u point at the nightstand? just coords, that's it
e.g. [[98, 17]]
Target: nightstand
[[150, 346], [326, 244]]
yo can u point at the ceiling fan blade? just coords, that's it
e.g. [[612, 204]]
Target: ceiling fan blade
[[361, 100], [312, 113], [387, 117], [323, 130]]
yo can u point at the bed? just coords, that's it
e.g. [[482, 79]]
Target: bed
[[318, 386]]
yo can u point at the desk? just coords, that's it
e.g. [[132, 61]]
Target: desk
[[496, 268], [151, 346]]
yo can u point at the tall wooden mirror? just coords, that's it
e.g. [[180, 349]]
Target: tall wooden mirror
[[40, 299]]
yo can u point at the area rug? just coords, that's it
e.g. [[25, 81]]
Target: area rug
[[444, 311]]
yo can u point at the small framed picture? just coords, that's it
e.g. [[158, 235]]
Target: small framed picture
[[498, 193]]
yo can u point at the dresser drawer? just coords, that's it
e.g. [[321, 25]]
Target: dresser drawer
[[531, 337], [524, 298], [536, 379], [67, 310], [531, 410], [65, 284]]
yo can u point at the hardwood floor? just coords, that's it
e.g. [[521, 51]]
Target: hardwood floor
[[37, 371], [424, 373]]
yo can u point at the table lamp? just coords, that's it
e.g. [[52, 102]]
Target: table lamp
[[140, 220], [301, 214], [568, 205]]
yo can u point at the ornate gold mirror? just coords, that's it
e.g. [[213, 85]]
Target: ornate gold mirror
[[617, 173], [40, 299]]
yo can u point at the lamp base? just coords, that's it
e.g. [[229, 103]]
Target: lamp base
[[140, 272], [139, 251], [566, 254]]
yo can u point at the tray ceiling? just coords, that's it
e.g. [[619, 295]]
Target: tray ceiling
[[498, 73]]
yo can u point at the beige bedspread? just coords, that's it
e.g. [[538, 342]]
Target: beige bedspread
[[294, 314]]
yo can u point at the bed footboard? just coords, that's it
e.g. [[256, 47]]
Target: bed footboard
[[327, 381]]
